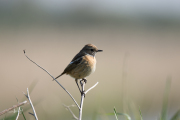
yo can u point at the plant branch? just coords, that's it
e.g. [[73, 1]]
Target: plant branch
[[68, 107], [91, 88], [82, 100], [13, 107], [53, 78], [28, 97]]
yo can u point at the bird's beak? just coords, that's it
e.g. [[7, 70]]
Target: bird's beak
[[99, 50]]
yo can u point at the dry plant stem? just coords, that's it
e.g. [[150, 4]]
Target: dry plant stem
[[82, 100], [15, 106], [28, 96], [18, 113], [91, 88], [74, 116], [53, 78]]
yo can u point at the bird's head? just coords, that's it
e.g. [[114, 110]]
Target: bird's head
[[90, 49]]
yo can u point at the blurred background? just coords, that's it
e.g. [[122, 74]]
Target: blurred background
[[140, 39]]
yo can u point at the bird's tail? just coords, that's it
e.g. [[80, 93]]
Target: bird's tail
[[59, 75]]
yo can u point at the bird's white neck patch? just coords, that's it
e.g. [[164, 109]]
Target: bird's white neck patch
[[90, 54]]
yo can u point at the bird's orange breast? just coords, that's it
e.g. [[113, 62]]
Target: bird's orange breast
[[84, 68]]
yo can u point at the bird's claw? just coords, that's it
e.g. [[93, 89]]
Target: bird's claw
[[83, 93], [83, 80]]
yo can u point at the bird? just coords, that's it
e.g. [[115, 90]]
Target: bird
[[83, 64]]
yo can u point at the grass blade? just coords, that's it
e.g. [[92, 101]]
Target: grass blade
[[165, 99], [176, 116], [126, 115], [23, 113], [140, 113], [115, 113]]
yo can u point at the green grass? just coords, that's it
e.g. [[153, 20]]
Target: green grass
[[164, 111]]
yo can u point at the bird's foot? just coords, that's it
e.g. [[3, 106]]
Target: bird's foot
[[83, 80], [83, 93]]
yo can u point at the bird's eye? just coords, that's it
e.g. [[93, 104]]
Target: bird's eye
[[92, 50]]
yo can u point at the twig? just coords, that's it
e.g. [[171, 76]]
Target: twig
[[53, 78], [82, 100], [18, 114], [28, 97], [68, 107], [31, 113], [91, 88], [11, 108]]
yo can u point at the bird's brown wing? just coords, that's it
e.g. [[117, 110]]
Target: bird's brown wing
[[79, 55], [73, 64]]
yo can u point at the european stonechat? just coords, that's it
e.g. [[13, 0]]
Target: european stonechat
[[83, 64]]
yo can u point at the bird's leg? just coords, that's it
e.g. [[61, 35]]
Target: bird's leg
[[81, 82], [78, 84]]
